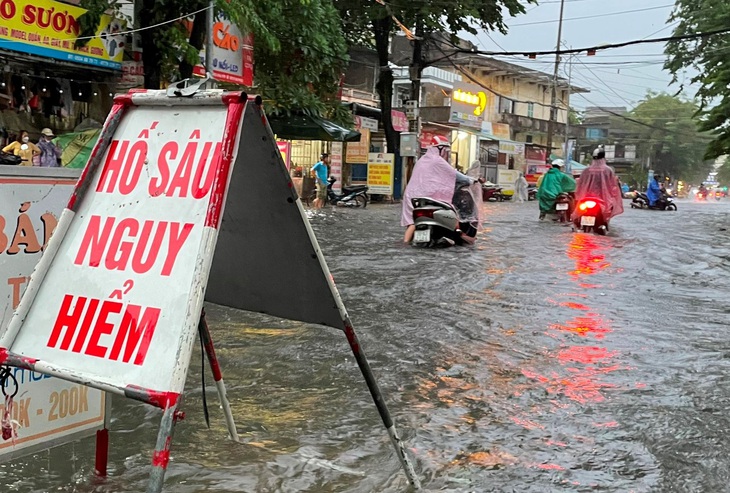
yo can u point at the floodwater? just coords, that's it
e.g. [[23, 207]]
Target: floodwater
[[538, 360]]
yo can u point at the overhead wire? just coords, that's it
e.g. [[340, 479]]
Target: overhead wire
[[534, 23]]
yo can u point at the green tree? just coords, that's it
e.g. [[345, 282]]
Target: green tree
[[372, 23], [709, 57], [723, 173], [669, 133], [298, 63]]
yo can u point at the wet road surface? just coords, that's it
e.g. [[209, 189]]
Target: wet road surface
[[538, 360]]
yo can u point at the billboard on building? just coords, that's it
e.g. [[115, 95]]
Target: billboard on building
[[232, 53], [50, 29], [468, 105]]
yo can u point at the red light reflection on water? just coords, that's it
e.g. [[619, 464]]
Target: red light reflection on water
[[592, 324], [586, 251], [585, 354]]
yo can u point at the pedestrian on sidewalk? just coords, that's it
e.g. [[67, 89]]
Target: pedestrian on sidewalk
[[320, 176], [521, 188]]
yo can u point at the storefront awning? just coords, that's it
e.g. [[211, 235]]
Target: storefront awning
[[308, 127]]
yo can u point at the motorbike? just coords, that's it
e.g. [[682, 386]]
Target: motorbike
[[563, 207], [702, 195], [589, 217], [531, 192], [664, 203], [355, 196], [492, 192], [10, 159], [440, 223]]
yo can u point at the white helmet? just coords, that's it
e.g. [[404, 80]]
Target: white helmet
[[559, 163]]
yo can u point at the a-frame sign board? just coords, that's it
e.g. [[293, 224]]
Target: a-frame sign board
[[184, 197]]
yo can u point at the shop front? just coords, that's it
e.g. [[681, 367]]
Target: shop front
[[45, 81]]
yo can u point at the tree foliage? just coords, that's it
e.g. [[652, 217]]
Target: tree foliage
[[670, 135], [371, 23], [299, 50], [709, 57]]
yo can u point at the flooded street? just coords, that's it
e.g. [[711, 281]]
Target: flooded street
[[538, 360]]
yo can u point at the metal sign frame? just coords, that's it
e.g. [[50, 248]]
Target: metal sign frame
[[244, 116]]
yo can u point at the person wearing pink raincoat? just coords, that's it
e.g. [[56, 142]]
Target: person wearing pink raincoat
[[432, 177], [598, 181]]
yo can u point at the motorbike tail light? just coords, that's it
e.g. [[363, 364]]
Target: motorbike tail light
[[423, 213], [588, 204]]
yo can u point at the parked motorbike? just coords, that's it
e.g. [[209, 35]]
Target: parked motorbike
[[10, 159], [492, 192], [665, 202], [438, 224], [531, 192], [589, 217], [355, 196]]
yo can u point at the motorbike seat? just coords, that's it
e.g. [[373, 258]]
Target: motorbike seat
[[425, 201], [355, 188]]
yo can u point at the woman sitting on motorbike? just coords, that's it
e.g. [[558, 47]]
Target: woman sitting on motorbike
[[432, 177], [599, 182]]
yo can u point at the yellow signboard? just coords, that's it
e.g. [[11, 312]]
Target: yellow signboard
[[357, 152], [380, 173], [49, 29], [478, 100]]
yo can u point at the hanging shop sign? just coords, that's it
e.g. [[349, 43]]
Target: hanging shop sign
[[468, 105], [49, 29], [380, 173], [357, 152], [364, 122], [400, 121], [501, 131], [48, 411], [510, 147], [232, 53]]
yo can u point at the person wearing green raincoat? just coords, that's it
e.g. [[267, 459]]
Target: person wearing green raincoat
[[552, 184]]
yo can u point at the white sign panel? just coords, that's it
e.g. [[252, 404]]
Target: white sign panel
[[513, 148], [48, 410], [133, 250], [336, 165]]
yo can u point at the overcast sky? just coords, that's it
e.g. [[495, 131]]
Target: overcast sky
[[616, 77]]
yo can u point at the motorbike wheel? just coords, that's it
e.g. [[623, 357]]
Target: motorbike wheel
[[587, 229], [561, 216], [671, 207], [361, 201]]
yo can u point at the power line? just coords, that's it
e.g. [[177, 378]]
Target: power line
[[601, 47], [592, 16]]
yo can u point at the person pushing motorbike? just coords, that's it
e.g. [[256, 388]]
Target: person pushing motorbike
[[552, 184], [432, 177], [654, 192]]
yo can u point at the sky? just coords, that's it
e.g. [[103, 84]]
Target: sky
[[615, 77]]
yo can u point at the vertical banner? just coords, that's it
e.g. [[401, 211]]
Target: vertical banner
[[336, 165], [357, 152], [285, 151], [380, 173]]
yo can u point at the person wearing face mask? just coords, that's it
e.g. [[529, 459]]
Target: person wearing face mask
[[50, 152], [23, 148]]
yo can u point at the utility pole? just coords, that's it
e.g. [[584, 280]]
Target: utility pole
[[569, 155], [210, 20], [414, 71], [553, 96]]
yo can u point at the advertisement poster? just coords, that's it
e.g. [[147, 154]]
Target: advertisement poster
[[400, 121], [49, 411], [49, 29], [232, 54], [380, 173]]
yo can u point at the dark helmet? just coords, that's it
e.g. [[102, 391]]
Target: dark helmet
[[324, 156], [599, 153]]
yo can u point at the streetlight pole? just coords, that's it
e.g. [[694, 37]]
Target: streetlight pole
[[553, 96]]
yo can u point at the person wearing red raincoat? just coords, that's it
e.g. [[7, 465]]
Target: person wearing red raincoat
[[598, 181]]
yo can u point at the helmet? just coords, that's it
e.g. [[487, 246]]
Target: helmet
[[440, 141], [599, 153], [559, 163]]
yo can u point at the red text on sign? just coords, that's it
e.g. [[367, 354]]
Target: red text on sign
[[193, 171], [104, 329], [117, 242]]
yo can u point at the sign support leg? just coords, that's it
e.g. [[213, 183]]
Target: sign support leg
[[217, 376], [161, 457], [372, 384], [101, 459]]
